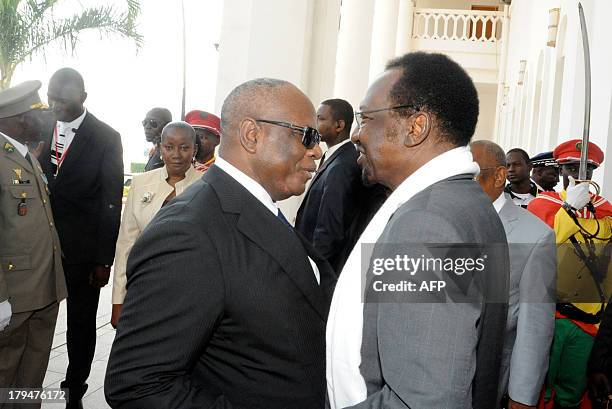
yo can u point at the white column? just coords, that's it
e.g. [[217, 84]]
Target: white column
[[405, 21], [384, 31], [354, 45]]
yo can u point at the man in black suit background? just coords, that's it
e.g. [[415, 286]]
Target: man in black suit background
[[333, 198], [83, 162], [227, 308]]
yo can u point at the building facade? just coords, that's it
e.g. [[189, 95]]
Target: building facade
[[525, 58]]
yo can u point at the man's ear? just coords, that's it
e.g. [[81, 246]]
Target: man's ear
[[419, 127], [340, 125], [500, 176], [83, 97], [249, 133]]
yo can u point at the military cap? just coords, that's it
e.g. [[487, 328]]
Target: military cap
[[544, 159], [204, 120], [20, 99], [570, 152]]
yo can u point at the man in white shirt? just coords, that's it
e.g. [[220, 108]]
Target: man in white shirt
[[227, 307]]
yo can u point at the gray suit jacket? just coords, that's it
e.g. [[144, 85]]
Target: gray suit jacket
[[446, 354], [531, 310]]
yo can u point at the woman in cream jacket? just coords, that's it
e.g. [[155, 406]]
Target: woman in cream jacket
[[149, 192]]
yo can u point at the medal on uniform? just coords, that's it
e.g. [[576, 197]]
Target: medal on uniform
[[17, 173], [22, 207]]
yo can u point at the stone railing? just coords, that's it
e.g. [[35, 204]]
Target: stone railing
[[458, 25]]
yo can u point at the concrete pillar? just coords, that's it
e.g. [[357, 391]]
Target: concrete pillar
[[405, 21], [354, 45], [384, 32]]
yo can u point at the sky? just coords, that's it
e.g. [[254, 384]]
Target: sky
[[123, 83]]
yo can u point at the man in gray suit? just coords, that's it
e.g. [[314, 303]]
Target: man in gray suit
[[420, 350], [533, 274], [31, 276]]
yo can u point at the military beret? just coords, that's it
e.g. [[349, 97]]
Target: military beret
[[570, 152], [20, 99], [204, 120], [543, 159]]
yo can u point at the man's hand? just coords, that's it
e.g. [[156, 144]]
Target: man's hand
[[99, 276], [599, 386], [115, 314], [515, 405], [577, 194], [5, 314], [36, 150]]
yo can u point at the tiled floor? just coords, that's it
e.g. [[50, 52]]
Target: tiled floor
[[94, 398]]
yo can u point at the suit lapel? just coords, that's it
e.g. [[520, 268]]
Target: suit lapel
[[329, 160], [79, 142], [259, 225]]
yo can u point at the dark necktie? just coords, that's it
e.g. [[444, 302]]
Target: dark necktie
[[321, 162], [282, 218], [29, 158]]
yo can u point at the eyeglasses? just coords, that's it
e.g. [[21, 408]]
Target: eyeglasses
[[310, 136], [359, 115], [152, 122]]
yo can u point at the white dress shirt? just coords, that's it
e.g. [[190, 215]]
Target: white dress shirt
[[63, 135], [328, 153], [260, 194], [499, 202]]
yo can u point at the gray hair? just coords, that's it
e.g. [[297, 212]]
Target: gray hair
[[184, 126]]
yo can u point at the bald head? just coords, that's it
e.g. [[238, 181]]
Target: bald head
[[68, 76], [492, 161], [258, 140], [66, 94], [250, 99]]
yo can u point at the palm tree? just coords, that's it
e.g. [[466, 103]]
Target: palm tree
[[28, 26]]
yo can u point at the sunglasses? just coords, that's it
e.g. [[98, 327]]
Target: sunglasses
[[310, 136], [152, 122]]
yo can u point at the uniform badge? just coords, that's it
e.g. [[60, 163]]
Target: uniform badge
[[8, 147], [18, 174]]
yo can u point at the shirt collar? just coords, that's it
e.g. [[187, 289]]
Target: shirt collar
[[21, 148], [499, 202], [248, 183], [74, 124], [329, 152]]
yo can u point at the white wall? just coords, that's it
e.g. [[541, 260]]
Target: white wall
[[264, 38], [487, 96], [560, 112]]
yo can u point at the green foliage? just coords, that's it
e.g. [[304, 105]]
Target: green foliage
[[28, 26]]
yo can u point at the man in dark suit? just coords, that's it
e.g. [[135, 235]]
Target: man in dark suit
[[83, 161], [227, 308], [154, 122], [331, 202], [423, 348]]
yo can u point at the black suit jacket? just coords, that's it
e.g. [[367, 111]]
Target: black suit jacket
[[86, 193], [331, 204], [222, 309]]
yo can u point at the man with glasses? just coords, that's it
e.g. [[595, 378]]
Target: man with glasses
[[154, 122], [419, 349], [244, 297]]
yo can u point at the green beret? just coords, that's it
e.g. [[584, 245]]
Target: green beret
[[20, 99]]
